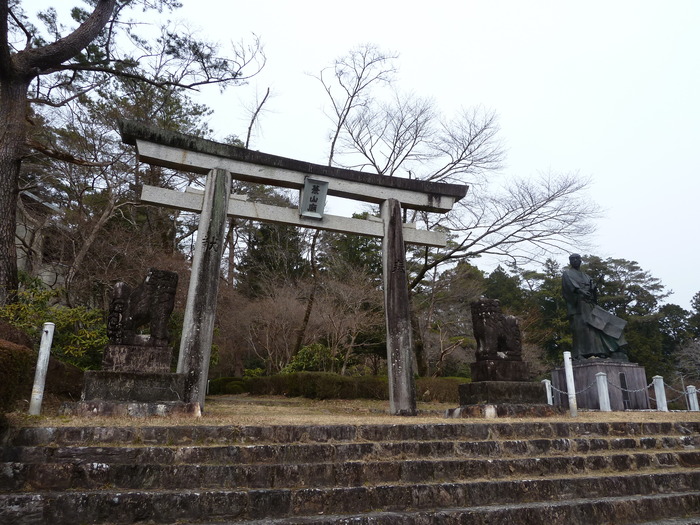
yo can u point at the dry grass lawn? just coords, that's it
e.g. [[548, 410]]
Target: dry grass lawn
[[245, 410]]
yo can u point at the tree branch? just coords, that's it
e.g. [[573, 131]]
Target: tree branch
[[63, 156], [35, 61]]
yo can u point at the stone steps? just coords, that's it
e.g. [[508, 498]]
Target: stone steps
[[166, 506], [525, 472], [64, 475], [308, 452], [600, 511]]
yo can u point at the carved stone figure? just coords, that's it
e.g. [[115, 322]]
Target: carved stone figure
[[596, 332], [497, 335], [150, 303]]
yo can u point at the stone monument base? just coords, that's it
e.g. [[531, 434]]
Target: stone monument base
[[627, 384], [499, 392], [146, 387], [135, 381], [129, 409]]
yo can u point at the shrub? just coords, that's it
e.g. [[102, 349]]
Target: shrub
[[312, 358], [16, 364], [226, 386], [322, 385], [80, 334]]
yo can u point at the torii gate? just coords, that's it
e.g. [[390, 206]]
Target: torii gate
[[222, 162]]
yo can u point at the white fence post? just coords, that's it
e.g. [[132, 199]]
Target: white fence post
[[42, 365], [693, 399], [570, 386], [603, 394], [548, 389], [660, 394]]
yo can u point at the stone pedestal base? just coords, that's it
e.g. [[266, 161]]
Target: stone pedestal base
[[499, 392], [134, 381], [626, 384], [133, 386], [504, 410], [129, 409]]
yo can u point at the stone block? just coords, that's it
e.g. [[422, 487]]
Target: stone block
[[500, 370], [133, 386], [497, 392], [131, 358]]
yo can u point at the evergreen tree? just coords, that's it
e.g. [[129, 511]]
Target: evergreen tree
[[550, 327], [507, 289], [274, 256]]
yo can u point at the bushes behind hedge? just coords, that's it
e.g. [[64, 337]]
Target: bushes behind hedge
[[322, 385]]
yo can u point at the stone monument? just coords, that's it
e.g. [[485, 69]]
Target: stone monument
[[500, 377], [135, 379], [599, 345]]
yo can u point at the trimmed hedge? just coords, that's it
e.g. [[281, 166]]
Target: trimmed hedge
[[322, 385], [226, 386]]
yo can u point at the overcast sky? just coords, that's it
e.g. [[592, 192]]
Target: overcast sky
[[608, 89]]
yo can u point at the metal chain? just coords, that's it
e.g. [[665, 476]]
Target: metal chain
[[626, 390], [557, 390], [577, 393], [586, 388], [676, 398], [671, 388]]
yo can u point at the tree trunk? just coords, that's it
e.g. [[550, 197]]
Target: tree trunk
[[16, 73], [13, 123]]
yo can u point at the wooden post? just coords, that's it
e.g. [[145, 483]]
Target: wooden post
[[399, 344], [200, 310]]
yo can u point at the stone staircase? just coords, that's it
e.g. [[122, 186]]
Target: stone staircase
[[457, 472]]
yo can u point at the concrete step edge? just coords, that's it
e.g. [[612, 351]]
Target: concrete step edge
[[175, 435]]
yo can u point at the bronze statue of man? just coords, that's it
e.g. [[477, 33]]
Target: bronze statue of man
[[596, 332]]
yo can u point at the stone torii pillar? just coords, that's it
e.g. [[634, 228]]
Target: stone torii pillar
[[200, 309], [399, 344]]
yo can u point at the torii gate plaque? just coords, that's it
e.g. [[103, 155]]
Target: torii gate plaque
[[221, 162]]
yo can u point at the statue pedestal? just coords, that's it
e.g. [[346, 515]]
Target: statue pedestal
[[627, 384]]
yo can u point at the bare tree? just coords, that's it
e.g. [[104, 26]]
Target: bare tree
[[392, 136], [270, 325], [255, 116], [522, 222], [348, 83], [349, 308], [689, 360]]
